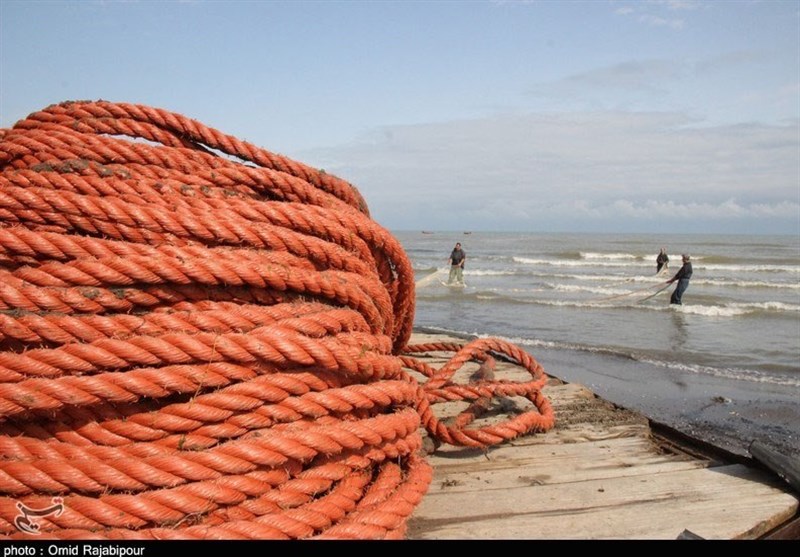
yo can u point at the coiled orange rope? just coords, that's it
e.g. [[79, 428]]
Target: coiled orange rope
[[202, 339]]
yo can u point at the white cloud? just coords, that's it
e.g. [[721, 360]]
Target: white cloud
[[658, 13], [631, 74], [727, 209], [784, 97], [678, 4], [719, 88], [730, 60], [618, 167], [657, 21]]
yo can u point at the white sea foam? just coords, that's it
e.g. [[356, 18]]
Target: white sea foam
[[601, 303], [488, 273], [711, 311], [620, 279], [773, 306], [613, 298], [582, 263], [612, 256], [514, 290], [697, 280], [748, 283], [726, 373], [794, 269], [632, 262], [736, 309], [593, 290]]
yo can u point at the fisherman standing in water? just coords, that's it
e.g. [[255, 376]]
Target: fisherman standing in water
[[457, 259], [682, 277], [662, 260]]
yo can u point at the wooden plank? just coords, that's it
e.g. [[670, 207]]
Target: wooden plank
[[788, 531], [720, 503], [450, 458], [571, 435], [570, 391], [583, 433], [509, 467]]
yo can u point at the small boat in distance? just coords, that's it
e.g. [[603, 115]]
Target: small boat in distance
[[427, 232], [467, 232]]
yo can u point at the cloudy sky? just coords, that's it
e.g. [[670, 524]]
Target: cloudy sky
[[599, 116]]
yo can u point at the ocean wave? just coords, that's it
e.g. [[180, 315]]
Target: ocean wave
[[591, 289], [618, 279], [575, 263], [467, 272], [514, 290], [426, 270], [737, 309], [488, 273], [612, 280], [748, 283], [717, 282], [724, 373], [712, 311], [772, 259], [634, 263], [520, 295], [612, 256], [764, 268], [555, 345], [774, 306], [635, 298], [643, 299], [614, 301]]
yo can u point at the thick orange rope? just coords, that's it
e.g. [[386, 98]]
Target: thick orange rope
[[202, 339]]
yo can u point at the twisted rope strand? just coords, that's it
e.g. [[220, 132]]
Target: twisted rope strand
[[203, 339], [181, 127]]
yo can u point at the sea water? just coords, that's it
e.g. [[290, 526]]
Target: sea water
[[723, 366]]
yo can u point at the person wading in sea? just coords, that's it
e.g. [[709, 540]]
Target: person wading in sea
[[662, 260], [682, 276], [457, 259]]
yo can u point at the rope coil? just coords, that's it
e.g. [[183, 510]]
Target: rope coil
[[203, 339]]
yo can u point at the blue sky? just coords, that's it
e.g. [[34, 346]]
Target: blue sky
[[601, 116]]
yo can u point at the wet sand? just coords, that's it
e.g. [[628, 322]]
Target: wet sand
[[721, 413]]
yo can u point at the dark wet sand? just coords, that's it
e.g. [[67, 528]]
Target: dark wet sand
[[725, 413]]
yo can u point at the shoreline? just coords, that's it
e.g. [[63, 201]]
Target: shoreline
[[719, 413]]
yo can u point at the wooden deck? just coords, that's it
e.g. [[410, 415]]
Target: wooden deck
[[599, 474]]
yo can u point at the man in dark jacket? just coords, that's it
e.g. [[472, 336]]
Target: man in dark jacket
[[682, 277], [457, 259]]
